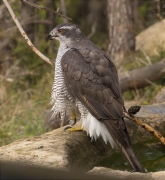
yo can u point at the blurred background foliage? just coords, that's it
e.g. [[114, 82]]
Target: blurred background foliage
[[26, 80]]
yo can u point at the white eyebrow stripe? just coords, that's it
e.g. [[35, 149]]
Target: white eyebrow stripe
[[67, 27]]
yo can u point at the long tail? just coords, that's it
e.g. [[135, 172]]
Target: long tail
[[121, 137]]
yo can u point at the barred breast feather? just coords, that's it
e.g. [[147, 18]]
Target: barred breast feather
[[60, 98]]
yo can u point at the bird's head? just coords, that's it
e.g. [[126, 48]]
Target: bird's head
[[65, 32]]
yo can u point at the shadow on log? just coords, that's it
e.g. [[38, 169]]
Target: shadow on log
[[65, 150]]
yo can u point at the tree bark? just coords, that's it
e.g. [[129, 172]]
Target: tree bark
[[121, 29], [64, 11]]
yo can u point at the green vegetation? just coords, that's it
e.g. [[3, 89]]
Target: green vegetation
[[137, 60], [22, 110], [140, 59], [25, 97]]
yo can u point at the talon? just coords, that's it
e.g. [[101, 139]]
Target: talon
[[70, 127], [74, 122], [67, 127]]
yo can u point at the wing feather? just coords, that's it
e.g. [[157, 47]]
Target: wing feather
[[91, 77]]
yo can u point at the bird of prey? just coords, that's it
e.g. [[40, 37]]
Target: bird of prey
[[86, 78]]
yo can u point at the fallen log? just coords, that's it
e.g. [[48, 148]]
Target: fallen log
[[139, 78]]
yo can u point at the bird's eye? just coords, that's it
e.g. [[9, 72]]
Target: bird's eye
[[60, 31]]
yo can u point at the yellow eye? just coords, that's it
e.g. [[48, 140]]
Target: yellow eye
[[60, 31]]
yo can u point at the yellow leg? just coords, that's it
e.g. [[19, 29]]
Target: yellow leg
[[73, 115], [75, 129]]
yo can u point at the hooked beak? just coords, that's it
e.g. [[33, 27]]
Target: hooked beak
[[52, 35]]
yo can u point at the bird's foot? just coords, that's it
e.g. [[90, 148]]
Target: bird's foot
[[72, 124], [72, 129]]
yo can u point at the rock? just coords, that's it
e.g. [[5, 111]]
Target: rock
[[121, 175], [152, 39], [65, 150], [56, 149], [160, 97]]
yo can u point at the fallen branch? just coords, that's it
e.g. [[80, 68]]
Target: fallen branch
[[145, 126], [25, 35], [139, 78], [45, 8]]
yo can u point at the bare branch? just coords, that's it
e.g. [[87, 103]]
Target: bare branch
[[146, 127], [45, 8], [25, 36]]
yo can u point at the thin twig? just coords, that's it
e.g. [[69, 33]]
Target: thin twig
[[25, 36], [147, 127], [152, 83], [45, 8]]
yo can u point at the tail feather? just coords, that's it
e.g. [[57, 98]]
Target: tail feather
[[124, 145]]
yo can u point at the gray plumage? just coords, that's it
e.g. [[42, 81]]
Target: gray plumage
[[86, 77]]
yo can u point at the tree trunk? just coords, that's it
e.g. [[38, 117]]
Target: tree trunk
[[63, 8], [121, 29]]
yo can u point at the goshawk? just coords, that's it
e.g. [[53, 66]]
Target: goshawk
[[86, 78]]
